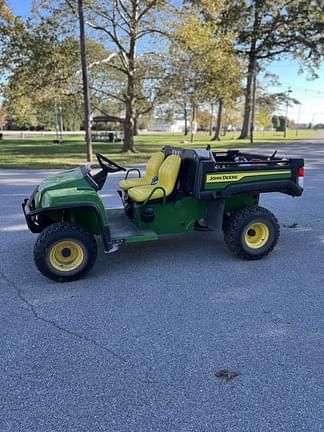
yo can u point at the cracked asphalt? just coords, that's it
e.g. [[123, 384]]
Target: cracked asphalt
[[135, 346]]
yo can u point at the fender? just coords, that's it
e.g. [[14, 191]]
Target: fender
[[87, 211]]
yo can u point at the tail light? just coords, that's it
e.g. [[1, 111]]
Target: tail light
[[301, 172], [300, 176]]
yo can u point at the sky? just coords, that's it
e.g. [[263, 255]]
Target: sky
[[310, 94]]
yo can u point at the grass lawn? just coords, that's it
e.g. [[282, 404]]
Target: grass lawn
[[42, 153]]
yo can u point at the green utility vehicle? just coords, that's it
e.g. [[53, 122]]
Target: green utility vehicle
[[182, 190]]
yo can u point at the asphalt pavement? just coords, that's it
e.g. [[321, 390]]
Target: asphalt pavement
[[136, 344]]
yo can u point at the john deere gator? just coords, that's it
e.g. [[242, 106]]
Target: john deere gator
[[182, 190]]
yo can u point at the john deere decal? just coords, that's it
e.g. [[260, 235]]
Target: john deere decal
[[235, 177]]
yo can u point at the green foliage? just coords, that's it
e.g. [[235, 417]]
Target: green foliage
[[282, 122], [231, 116], [270, 28], [3, 117], [5, 13], [275, 122], [263, 119], [203, 119], [41, 69], [204, 67], [267, 29], [208, 48], [169, 115]]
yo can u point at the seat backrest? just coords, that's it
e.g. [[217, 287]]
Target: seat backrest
[[168, 173], [153, 165]]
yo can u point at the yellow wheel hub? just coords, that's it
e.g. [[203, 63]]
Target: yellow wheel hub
[[66, 255], [256, 235]]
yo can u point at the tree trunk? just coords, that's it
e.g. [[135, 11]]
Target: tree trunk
[[216, 136], [251, 69], [225, 129], [253, 103], [129, 128], [193, 123], [211, 119], [185, 113], [248, 100], [129, 124], [136, 125]]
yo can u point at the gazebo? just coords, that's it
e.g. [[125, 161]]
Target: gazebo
[[106, 135]]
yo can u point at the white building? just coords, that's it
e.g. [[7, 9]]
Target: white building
[[161, 125]]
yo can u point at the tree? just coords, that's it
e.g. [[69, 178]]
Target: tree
[[42, 63], [275, 122], [169, 116], [292, 124], [110, 96], [282, 122], [7, 22], [3, 118], [212, 72], [271, 28], [124, 24], [41, 68], [123, 28], [203, 119], [216, 136], [6, 15], [225, 71], [263, 119], [231, 116], [32, 92]]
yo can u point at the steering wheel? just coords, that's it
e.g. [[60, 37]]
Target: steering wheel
[[107, 165]]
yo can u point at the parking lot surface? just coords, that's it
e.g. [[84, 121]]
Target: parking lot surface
[[136, 344]]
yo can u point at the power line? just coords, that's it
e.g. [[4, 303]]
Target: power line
[[304, 89]]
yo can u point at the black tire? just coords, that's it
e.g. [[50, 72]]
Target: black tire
[[239, 229], [65, 251]]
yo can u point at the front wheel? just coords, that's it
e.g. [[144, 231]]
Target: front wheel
[[251, 233], [65, 251]]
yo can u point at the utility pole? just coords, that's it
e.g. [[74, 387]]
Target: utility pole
[[313, 121], [286, 118], [298, 119], [86, 93]]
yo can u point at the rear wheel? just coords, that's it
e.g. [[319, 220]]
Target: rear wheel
[[251, 233], [65, 251]]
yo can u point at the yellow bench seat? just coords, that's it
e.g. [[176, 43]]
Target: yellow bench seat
[[139, 194], [168, 175], [152, 169], [133, 182]]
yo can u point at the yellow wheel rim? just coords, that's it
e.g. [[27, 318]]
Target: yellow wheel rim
[[66, 255], [256, 235]]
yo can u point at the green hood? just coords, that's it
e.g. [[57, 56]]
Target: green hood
[[66, 180]]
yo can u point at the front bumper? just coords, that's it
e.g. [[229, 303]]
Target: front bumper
[[28, 206]]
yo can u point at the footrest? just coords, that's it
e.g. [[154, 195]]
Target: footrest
[[122, 228]]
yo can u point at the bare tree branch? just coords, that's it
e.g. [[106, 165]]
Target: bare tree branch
[[151, 31], [111, 95], [113, 119], [112, 37], [147, 9]]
